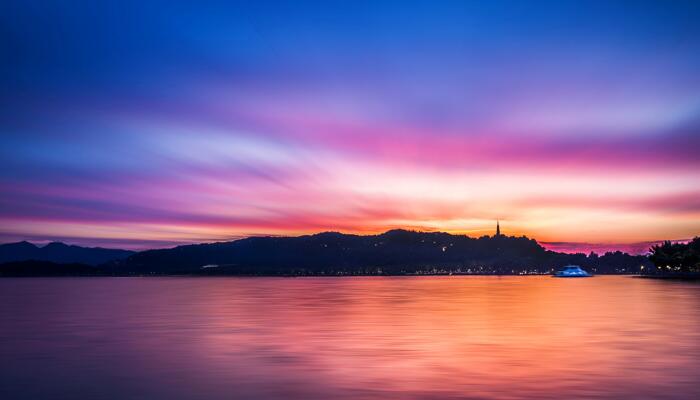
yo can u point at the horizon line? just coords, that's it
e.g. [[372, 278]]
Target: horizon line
[[569, 247]]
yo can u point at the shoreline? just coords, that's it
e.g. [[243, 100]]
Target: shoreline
[[293, 276], [685, 277]]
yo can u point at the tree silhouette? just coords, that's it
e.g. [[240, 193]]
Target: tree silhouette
[[677, 257]]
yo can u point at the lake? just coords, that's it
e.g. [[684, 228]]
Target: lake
[[453, 337]]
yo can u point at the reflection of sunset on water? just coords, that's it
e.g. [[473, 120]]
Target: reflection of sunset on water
[[402, 337], [450, 335]]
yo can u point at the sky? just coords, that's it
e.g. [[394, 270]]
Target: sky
[[154, 123]]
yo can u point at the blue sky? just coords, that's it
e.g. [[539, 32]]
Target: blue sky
[[156, 123]]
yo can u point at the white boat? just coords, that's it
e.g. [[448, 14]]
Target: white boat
[[572, 271]]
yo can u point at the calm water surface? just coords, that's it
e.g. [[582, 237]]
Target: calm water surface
[[348, 338]]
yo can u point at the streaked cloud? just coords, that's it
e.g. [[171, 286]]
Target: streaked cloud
[[163, 127]]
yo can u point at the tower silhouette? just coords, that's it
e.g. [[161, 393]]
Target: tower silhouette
[[498, 228]]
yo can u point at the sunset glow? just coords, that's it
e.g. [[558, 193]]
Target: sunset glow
[[148, 129]]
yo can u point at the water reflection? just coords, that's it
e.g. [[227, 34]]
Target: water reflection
[[316, 338]]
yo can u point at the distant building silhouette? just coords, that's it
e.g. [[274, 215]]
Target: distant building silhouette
[[498, 229]]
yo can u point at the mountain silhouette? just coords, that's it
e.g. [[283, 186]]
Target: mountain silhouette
[[57, 252], [393, 252]]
